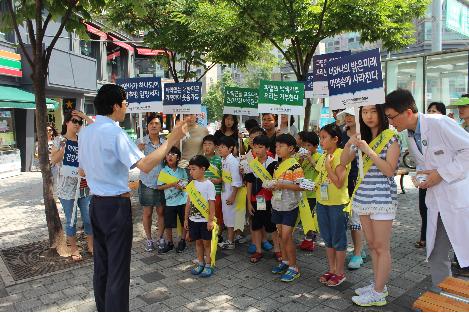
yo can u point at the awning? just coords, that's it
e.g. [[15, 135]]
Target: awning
[[16, 98], [121, 44], [150, 52], [96, 31]]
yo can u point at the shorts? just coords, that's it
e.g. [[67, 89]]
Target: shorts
[[383, 216], [149, 196], [287, 218], [332, 222], [263, 219], [198, 231], [354, 221], [218, 211], [171, 213]]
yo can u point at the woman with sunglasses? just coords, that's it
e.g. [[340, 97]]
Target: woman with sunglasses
[[65, 156]]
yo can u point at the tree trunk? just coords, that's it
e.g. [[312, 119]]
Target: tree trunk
[[57, 240], [307, 115]]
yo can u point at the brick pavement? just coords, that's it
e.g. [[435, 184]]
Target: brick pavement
[[163, 282]]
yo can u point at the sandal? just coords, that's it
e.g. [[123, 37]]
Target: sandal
[[256, 257], [76, 257], [336, 280], [420, 244], [325, 277], [278, 256]]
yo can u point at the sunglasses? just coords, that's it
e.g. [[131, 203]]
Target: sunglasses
[[75, 121]]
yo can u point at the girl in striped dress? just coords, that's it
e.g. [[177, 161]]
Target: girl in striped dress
[[375, 197]]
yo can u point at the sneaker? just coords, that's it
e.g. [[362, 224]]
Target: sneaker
[[161, 243], [251, 248], [266, 245], [280, 269], [371, 298], [181, 246], [240, 239], [149, 245], [290, 275], [355, 262], [207, 272], [228, 245], [220, 238], [196, 270], [369, 288], [168, 247], [307, 245]]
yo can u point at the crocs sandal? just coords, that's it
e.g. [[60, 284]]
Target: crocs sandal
[[325, 277], [76, 257], [256, 257], [196, 270], [336, 280], [207, 272], [278, 256]]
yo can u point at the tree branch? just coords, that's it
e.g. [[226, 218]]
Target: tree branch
[[65, 19], [206, 71], [260, 29], [32, 37], [321, 20], [46, 23], [17, 32]]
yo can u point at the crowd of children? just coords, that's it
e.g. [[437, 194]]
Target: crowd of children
[[266, 183]]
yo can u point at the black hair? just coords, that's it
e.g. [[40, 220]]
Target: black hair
[[383, 123], [292, 120], [334, 131], [228, 141], [152, 116], [210, 138], [250, 124], [286, 139], [176, 151], [262, 140], [107, 96], [257, 130], [235, 123], [400, 100], [54, 131], [67, 118], [440, 107], [199, 161], [275, 116], [310, 137]]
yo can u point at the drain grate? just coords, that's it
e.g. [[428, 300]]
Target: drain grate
[[31, 260]]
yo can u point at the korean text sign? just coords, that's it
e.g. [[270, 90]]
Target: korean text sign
[[70, 161], [281, 97], [182, 98], [241, 101], [316, 82], [356, 80], [144, 94]]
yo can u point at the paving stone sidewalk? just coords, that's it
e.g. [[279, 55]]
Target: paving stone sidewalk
[[163, 282]]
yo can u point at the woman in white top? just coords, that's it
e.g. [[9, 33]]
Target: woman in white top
[[284, 125]]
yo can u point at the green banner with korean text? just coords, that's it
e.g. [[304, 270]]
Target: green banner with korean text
[[281, 97], [240, 101]]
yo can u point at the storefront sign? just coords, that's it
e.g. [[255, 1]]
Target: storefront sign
[[182, 98], [10, 64], [456, 17], [241, 101], [70, 162], [316, 82], [281, 97], [355, 80], [68, 105], [143, 94]]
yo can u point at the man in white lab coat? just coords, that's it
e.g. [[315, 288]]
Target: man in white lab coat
[[441, 148]]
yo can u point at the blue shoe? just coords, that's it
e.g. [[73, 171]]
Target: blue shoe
[[280, 269], [207, 272], [267, 246], [251, 248], [197, 269], [355, 262], [290, 275]]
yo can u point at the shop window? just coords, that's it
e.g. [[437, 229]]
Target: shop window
[[7, 133]]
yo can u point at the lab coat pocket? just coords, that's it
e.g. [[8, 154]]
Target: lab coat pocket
[[458, 194]]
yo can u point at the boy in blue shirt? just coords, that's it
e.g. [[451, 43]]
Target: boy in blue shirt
[[176, 199]]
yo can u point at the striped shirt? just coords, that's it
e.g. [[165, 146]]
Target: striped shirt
[[216, 162], [377, 193]]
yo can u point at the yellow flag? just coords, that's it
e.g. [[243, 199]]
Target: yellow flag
[[167, 178], [240, 208], [214, 244]]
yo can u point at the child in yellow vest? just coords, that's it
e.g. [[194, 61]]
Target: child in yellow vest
[[332, 197]]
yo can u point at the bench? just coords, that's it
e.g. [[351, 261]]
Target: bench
[[402, 172], [453, 298]]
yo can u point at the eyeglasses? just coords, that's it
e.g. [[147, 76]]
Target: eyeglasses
[[172, 154], [393, 117], [75, 121], [49, 130]]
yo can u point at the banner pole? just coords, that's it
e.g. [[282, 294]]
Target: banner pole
[[180, 142], [360, 154], [240, 139], [140, 125], [288, 123]]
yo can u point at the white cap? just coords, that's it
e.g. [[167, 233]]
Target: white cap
[[349, 111]]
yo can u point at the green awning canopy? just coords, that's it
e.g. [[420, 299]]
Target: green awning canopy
[[16, 98]]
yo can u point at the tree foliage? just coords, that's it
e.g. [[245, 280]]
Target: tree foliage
[[259, 67], [216, 95], [193, 33], [295, 27]]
